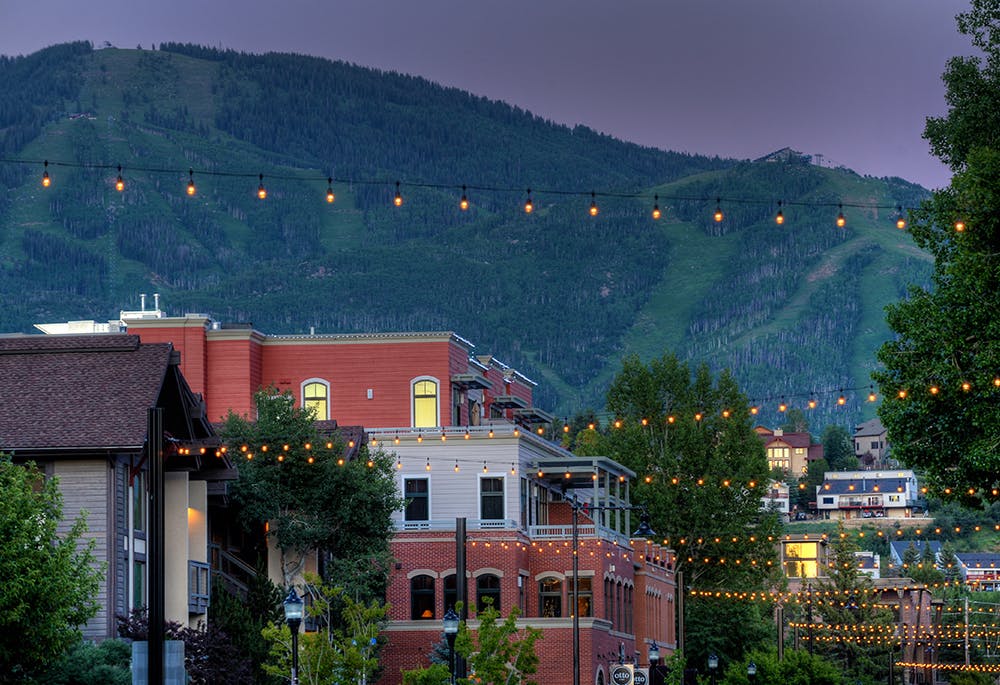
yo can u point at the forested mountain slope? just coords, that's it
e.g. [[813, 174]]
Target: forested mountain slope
[[558, 294]]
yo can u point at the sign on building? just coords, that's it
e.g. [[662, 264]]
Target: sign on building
[[622, 674], [640, 676]]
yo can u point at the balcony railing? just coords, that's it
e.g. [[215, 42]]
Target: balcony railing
[[199, 586], [449, 524]]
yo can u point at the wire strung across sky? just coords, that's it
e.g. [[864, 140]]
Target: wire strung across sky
[[464, 188]]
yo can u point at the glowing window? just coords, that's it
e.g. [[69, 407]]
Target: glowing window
[[425, 403], [422, 598], [316, 396]]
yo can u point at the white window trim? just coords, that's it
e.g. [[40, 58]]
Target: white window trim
[[437, 400], [402, 489], [479, 493], [302, 395]]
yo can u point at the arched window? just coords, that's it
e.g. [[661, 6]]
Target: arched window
[[421, 598], [550, 597], [425, 403], [316, 396], [487, 587]]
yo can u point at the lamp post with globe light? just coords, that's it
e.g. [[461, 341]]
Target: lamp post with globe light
[[713, 666], [293, 617], [752, 672], [655, 677], [450, 631]]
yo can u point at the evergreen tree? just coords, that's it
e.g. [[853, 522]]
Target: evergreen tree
[[838, 449]]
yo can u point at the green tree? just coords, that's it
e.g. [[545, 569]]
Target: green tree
[[838, 449], [311, 498], [50, 580], [795, 421], [107, 663], [949, 562], [498, 652], [706, 467], [243, 619], [949, 335], [330, 654], [849, 602]]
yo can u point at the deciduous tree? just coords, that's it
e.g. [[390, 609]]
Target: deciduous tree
[[50, 581]]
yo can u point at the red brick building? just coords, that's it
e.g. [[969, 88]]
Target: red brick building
[[469, 446]]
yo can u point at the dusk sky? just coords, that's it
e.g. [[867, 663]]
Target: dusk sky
[[852, 80]]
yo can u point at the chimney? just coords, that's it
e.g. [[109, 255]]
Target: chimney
[[156, 302], [142, 302]]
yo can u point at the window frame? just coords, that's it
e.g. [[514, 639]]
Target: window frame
[[413, 400], [417, 608], [325, 384], [426, 497], [494, 495]]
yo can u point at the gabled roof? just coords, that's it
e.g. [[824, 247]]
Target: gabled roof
[[78, 391], [979, 559], [873, 427], [899, 548]]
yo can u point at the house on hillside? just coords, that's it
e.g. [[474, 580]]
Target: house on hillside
[[77, 405], [981, 570], [790, 452], [871, 445], [898, 550], [869, 494], [490, 493]]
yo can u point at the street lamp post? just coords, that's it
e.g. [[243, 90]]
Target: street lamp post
[[713, 666], [293, 617], [752, 672], [643, 531], [450, 631], [654, 664]]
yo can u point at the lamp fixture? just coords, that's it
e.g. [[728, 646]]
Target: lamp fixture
[[593, 204], [191, 190], [46, 180], [529, 206], [656, 207], [841, 220], [261, 190], [398, 199], [718, 216], [120, 182], [779, 218], [463, 204], [330, 197]]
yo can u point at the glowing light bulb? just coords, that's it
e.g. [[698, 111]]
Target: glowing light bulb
[[463, 204], [330, 197], [841, 400], [934, 390], [841, 220], [656, 207], [902, 394], [779, 218], [959, 226], [398, 199], [900, 218], [593, 205], [966, 386], [46, 181], [811, 403], [120, 183], [872, 396], [529, 206], [190, 188], [261, 190], [782, 407], [718, 216]]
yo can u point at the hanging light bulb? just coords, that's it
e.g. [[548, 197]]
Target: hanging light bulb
[[779, 218], [841, 221], [565, 427], [529, 206], [261, 190], [966, 386], [191, 190], [463, 204], [330, 197], [398, 199], [485, 469], [656, 207], [718, 216], [593, 204], [841, 400], [811, 403], [456, 466], [120, 183], [900, 218], [959, 226], [46, 181], [782, 407]]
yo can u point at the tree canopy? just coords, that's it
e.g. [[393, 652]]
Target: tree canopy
[[341, 507], [50, 581], [706, 477], [939, 376]]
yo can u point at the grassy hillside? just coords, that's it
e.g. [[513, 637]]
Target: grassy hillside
[[558, 294]]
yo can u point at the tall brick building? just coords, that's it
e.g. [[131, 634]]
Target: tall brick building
[[471, 452]]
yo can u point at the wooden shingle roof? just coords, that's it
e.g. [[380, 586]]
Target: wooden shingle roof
[[78, 391]]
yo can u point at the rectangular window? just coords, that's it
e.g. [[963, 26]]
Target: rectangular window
[[491, 498], [417, 499], [139, 502], [827, 500], [585, 597], [138, 584]]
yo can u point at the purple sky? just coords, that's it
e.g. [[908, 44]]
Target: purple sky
[[852, 80]]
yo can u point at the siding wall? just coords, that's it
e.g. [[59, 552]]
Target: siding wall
[[86, 485]]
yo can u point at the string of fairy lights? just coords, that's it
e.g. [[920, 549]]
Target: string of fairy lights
[[463, 191]]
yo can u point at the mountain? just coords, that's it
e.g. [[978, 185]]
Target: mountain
[[558, 294]]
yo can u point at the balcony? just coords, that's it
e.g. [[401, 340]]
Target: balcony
[[199, 587]]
